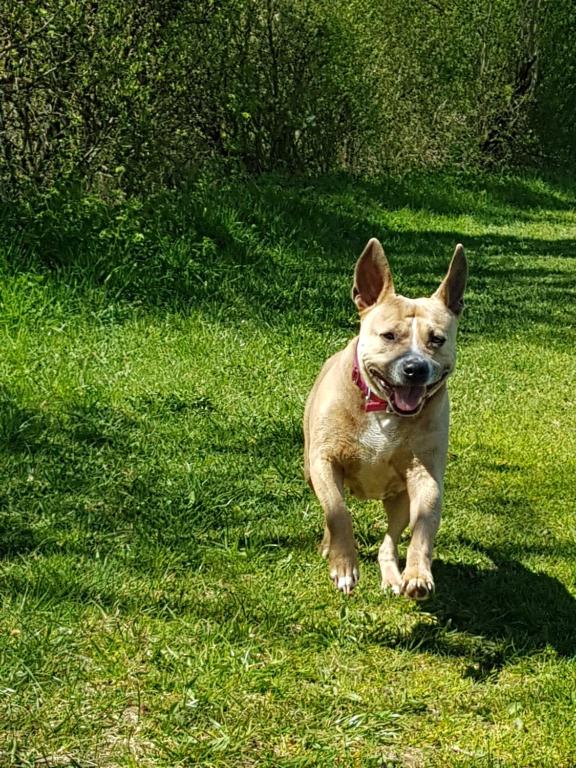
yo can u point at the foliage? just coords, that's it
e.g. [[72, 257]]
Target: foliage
[[126, 94], [554, 108]]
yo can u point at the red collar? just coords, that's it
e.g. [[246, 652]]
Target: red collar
[[371, 401]]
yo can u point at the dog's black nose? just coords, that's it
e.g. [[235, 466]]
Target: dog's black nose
[[415, 369]]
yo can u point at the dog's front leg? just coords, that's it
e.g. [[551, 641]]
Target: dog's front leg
[[425, 494], [338, 544], [398, 511]]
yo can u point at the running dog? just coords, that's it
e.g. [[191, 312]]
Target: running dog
[[376, 422]]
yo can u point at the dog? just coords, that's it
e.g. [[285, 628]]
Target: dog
[[376, 422]]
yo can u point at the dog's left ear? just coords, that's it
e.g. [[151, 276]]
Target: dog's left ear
[[372, 276], [451, 290]]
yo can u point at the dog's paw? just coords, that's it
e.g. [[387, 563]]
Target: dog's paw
[[344, 572], [391, 579], [417, 584]]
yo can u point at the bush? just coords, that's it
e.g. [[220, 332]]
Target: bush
[[136, 94]]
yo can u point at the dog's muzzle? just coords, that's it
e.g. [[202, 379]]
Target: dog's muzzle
[[408, 383]]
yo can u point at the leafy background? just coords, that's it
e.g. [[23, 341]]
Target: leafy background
[[133, 94]]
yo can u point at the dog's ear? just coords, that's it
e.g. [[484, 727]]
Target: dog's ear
[[451, 290], [372, 276]]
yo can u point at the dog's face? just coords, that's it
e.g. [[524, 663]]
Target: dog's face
[[406, 347]]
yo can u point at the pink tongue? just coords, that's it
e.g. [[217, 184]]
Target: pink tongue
[[408, 398]]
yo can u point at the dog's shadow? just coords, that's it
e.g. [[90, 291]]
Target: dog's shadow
[[493, 615]]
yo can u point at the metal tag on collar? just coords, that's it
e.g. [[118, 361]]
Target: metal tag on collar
[[377, 404]]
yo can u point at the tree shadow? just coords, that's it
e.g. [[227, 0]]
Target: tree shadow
[[88, 477], [281, 251], [320, 232], [487, 197], [75, 480]]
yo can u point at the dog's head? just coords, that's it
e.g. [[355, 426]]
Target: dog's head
[[406, 347]]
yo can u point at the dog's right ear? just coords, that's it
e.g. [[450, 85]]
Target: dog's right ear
[[372, 276], [451, 290]]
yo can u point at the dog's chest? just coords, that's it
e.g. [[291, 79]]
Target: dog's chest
[[380, 436], [374, 476]]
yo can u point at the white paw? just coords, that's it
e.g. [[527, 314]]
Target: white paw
[[345, 582], [418, 587]]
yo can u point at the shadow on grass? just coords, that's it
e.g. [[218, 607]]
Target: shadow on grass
[[492, 616], [89, 478], [482, 195], [282, 251]]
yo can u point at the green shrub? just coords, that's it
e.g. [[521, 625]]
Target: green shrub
[[141, 94]]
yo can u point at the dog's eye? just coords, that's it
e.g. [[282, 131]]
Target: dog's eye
[[436, 340], [388, 335]]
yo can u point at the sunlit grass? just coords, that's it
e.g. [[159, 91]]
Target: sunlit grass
[[163, 602]]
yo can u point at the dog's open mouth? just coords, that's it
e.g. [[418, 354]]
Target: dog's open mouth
[[406, 400]]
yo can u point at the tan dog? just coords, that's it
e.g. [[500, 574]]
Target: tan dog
[[376, 421]]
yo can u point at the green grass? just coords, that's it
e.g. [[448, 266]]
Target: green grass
[[162, 601]]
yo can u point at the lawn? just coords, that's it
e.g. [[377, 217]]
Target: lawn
[[162, 600]]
